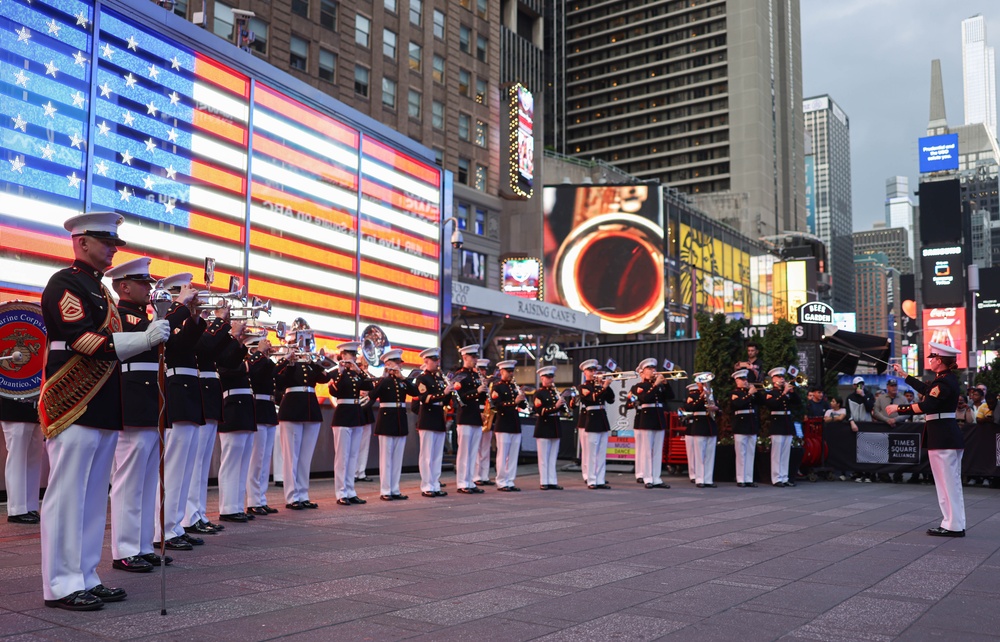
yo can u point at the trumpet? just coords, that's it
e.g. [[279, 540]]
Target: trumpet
[[672, 375], [251, 310]]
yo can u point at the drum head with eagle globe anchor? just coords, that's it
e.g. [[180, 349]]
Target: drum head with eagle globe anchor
[[22, 349]]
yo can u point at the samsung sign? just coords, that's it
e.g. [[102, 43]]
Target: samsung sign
[[816, 312], [938, 153]]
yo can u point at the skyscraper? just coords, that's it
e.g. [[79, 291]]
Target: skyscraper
[[889, 242], [704, 96], [978, 75], [828, 129], [899, 209], [877, 286]]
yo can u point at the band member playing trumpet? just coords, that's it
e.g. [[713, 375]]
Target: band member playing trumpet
[[548, 405], [481, 471], [745, 399], [780, 399], [594, 394], [236, 430], [581, 420], [391, 425], [433, 391], [368, 417], [506, 398], [260, 368], [652, 395], [469, 419], [702, 429], [348, 421]]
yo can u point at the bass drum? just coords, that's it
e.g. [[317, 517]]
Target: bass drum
[[22, 349]]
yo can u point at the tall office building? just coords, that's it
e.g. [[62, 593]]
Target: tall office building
[[704, 95], [978, 75], [828, 129], [888, 242], [899, 210], [876, 288]]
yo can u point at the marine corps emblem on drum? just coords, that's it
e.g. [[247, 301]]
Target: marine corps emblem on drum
[[22, 343]]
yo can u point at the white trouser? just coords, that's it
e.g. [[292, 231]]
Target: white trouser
[[133, 492], [25, 448], [195, 511], [365, 443], [704, 459], [689, 451], [298, 442], [548, 453], [346, 442], [233, 469], [277, 458], [179, 446], [431, 452], [746, 448], [260, 465], [482, 468], [508, 450], [581, 435], [946, 465], [655, 466], [781, 449], [390, 463], [75, 511], [641, 453], [467, 457], [596, 457]]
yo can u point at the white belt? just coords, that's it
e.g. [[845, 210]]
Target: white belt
[[57, 345], [208, 374], [697, 414], [650, 405], [300, 389], [780, 412], [940, 415], [189, 372], [745, 412], [264, 397], [392, 404], [236, 391], [140, 367], [348, 401]]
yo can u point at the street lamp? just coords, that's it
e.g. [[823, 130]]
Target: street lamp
[[973, 273]]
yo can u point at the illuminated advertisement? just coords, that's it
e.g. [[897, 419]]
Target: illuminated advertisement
[[716, 275], [938, 153], [947, 327], [944, 276], [522, 141], [604, 254], [521, 277], [328, 223]]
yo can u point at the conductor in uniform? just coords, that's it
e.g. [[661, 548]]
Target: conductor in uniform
[[80, 408], [432, 391], [549, 405]]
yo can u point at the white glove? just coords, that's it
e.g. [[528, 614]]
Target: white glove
[[129, 344]]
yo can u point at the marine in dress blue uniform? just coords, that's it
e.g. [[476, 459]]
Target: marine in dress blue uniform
[[391, 423], [651, 396], [746, 425], [472, 391], [260, 369], [25, 451], [702, 431], [594, 394], [349, 419], [237, 428], [481, 474], [433, 392], [781, 399], [507, 400], [548, 405]]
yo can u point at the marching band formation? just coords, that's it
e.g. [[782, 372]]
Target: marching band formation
[[221, 375]]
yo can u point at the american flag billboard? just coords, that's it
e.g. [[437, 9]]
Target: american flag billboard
[[329, 222]]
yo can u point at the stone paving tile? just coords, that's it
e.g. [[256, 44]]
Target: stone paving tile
[[804, 599], [470, 606], [592, 576], [489, 628], [916, 583], [706, 599], [864, 618], [619, 625], [14, 623], [861, 571], [581, 606], [962, 614]]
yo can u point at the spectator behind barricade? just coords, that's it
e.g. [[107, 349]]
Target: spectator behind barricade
[[860, 404], [964, 413], [816, 406], [984, 412], [976, 395], [836, 411], [891, 396], [911, 399]]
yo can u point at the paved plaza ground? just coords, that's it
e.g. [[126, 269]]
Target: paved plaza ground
[[822, 561]]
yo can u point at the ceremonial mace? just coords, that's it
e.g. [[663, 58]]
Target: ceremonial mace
[[161, 300]]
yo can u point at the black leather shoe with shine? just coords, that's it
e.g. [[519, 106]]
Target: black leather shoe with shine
[[133, 564], [78, 601], [108, 594]]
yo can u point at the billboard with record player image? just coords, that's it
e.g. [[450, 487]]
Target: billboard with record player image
[[603, 249]]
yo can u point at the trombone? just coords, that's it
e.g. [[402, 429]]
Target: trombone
[[616, 376], [672, 375]]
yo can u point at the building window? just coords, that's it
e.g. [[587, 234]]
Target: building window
[[181, 8], [464, 125], [462, 215], [416, 11], [389, 43], [473, 266], [463, 171], [483, 8], [481, 133], [327, 65], [464, 80], [437, 115], [439, 24], [480, 184], [362, 30], [328, 14], [438, 68], [223, 25], [300, 8], [389, 93], [466, 3], [481, 44], [298, 53], [480, 226], [481, 86], [439, 157], [413, 104], [465, 39], [390, 5], [360, 80], [259, 29], [416, 56]]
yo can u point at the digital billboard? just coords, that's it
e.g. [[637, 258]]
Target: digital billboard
[[943, 276], [329, 223], [938, 153], [947, 327], [604, 254], [522, 141], [521, 277]]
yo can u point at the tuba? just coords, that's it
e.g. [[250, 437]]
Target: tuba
[[374, 344]]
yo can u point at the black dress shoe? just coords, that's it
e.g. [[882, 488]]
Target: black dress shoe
[[343, 501], [363, 479], [440, 493], [155, 559], [778, 485], [385, 498], [26, 518], [207, 524], [250, 516], [555, 487], [944, 532], [79, 601], [240, 518], [175, 544], [399, 496], [592, 486], [740, 484], [428, 493], [108, 594], [193, 541], [604, 486], [640, 480], [750, 485], [357, 500], [649, 485], [200, 529], [308, 504], [699, 485], [789, 484], [485, 482], [466, 491], [661, 485], [294, 506], [543, 487], [710, 486], [503, 489], [442, 484], [269, 510], [133, 564], [477, 491], [256, 510], [692, 481]]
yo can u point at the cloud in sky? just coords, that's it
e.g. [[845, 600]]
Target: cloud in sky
[[873, 57]]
